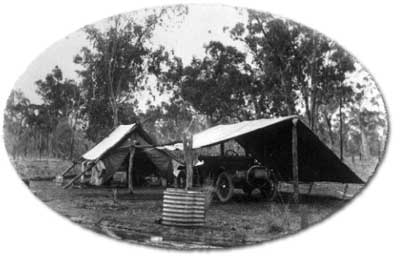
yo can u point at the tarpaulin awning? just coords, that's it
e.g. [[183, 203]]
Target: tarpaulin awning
[[226, 132], [270, 142]]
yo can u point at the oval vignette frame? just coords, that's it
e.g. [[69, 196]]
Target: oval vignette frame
[[68, 116]]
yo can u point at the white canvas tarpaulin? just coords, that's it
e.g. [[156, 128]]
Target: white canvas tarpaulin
[[113, 151], [226, 132], [111, 140], [270, 142]]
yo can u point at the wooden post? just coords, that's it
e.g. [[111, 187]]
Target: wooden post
[[187, 148], [341, 123], [78, 176], [346, 186], [295, 168], [310, 188], [130, 169], [222, 148], [68, 169]]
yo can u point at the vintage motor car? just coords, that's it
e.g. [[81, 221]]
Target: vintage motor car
[[230, 171]]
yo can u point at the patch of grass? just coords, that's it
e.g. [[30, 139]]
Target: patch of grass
[[241, 221], [42, 168]]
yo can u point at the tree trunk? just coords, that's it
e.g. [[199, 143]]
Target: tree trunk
[[312, 84], [115, 114], [328, 123], [307, 106], [112, 81], [289, 103], [71, 151], [379, 149], [341, 124], [48, 143], [364, 144], [256, 106], [51, 140], [40, 145]]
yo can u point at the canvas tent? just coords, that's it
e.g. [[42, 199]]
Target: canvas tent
[[114, 150], [270, 142]]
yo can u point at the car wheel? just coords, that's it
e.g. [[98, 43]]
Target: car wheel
[[224, 187]]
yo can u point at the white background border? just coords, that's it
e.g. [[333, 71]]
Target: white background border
[[367, 229]]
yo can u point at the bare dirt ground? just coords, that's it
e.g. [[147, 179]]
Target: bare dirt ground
[[136, 218]]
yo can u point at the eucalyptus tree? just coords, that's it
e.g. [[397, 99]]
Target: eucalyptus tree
[[299, 70], [215, 85], [272, 44], [61, 99], [117, 63], [14, 121]]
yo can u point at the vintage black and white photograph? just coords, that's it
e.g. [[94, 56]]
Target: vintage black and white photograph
[[196, 127]]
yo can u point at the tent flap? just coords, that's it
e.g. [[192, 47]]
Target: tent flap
[[160, 159], [113, 162]]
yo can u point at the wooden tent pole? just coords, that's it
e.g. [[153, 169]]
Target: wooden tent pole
[[187, 147], [68, 169], [310, 188], [78, 176], [130, 168], [295, 169], [346, 186]]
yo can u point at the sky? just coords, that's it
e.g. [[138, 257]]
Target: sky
[[187, 38]]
